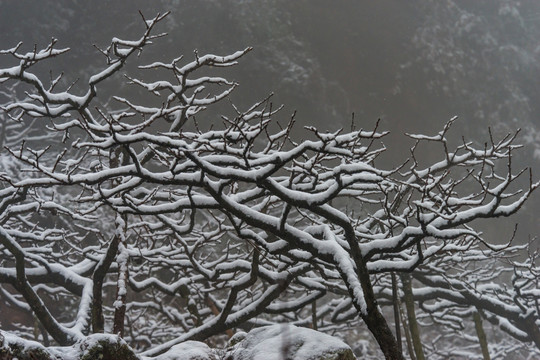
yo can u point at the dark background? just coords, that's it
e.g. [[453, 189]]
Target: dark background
[[412, 64]]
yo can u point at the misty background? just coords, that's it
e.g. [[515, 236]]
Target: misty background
[[411, 64]]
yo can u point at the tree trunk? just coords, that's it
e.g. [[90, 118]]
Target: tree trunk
[[378, 326], [395, 300], [98, 322], [407, 333], [533, 330], [122, 259], [373, 317], [120, 303], [411, 315], [314, 315], [481, 335]]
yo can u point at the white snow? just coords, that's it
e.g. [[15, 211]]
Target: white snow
[[285, 341]]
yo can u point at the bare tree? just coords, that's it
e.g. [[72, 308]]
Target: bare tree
[[184, 230]]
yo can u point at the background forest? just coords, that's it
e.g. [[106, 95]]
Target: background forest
[[412, 64]]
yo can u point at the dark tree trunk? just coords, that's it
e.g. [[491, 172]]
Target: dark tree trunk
[[533, 330], [407, 334], [98, 322], [314, 315], [481, 335], [413, 325], [373, 317], [120, 303], [395, 300], [378, 326]]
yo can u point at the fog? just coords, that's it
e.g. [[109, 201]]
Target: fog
[[412, 64]]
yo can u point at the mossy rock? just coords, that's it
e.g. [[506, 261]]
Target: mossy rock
[[18, 352], [22, 351], [106, 347], [236, 338]]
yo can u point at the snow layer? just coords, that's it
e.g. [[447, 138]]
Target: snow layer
[[192, 350], [283, 341], [274, 342]]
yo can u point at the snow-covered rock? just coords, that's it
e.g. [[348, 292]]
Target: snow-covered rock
[[93, 347], [14, 347], [189, 350], [104, 347], [275, 342], [282, 341]]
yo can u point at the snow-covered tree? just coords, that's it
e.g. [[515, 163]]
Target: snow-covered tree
[[150, 219]]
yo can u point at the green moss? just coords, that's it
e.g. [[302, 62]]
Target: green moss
[[236, 338], [340, 355], [106, 350], [16, 351]]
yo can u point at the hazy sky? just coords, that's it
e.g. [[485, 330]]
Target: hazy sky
[[414, 64]]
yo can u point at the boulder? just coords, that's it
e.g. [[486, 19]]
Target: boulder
[[104, 347], [288, 342], [189, 350], [275, 342], [13, 347]]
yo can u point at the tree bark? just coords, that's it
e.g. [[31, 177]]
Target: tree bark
[[407, 333], [120, 303], [98, 322], [373, 317], [122, 259], [314, 315], [481, 335], [411, 315], [378, 326], [533, 330], [395, 300]]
